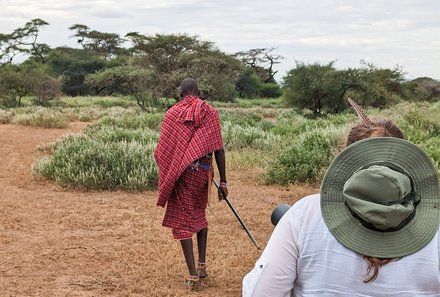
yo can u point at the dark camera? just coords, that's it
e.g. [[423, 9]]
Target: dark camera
[[278, 213]]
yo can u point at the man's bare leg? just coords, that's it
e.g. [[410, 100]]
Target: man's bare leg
[[187, 247], [202, 238]]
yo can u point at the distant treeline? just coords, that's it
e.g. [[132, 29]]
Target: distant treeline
[[151, 69]]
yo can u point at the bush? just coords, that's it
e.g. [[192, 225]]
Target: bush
[[421, 126], [420, 123], [304, 161], [6, 116], [102, 158], [46, 89], [42, 117], [270, 90]]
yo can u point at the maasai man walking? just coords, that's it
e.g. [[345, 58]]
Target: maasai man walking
[[189, 135]]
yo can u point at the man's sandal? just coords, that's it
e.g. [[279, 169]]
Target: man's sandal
[[201, 270], [193, 283]]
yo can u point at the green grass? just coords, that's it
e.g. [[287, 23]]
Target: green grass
[[94, 101], [41, 117], [250, 103], [102, 157], [283, 147]]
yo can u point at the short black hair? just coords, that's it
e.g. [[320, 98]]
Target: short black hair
[[189, 87]]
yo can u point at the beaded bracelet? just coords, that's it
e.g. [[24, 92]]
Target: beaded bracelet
[[223, 185]]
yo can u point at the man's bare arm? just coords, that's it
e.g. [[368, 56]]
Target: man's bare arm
[[221, 165]]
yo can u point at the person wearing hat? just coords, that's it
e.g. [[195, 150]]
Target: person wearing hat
[[372, 231]]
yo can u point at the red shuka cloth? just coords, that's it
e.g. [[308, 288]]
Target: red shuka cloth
[[190, 130], [185, 213]]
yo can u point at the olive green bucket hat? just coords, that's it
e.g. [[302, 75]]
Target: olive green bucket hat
[[380, 197]]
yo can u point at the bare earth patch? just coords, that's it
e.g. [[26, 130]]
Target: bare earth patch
[[61, 242]]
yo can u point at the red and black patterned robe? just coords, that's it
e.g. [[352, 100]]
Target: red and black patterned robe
[[190, 130]]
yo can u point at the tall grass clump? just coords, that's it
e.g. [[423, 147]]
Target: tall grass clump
[[93, 101], [246, 118], [291, 123], [306, 158], [134, 120], [102, 158], [117, 134], [6, 116], [41, 117], [236, 136]]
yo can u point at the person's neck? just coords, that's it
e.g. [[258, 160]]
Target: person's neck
[[189, 95]]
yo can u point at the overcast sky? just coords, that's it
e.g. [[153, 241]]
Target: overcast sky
[[386, 33]]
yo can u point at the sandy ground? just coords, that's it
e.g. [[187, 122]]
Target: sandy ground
[[60, 242]]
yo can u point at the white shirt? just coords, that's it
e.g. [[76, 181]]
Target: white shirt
[[303, 258]]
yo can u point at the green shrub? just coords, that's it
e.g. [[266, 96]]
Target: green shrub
[[305, 160], [102, 158], [42, 117], [421, 123], [270, 90]]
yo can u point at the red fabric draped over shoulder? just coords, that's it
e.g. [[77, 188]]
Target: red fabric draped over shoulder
[[190, 130]]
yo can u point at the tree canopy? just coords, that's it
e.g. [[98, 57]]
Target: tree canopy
[[149, 68]]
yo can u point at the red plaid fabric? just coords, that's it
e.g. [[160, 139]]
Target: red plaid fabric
[[190, 130], [185, 212]]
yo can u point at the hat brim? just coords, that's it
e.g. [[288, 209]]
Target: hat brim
[[349, 231]]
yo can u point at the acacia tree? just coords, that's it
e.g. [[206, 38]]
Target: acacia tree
[[26, 79], [320, 87], [72, 65], [380, 86], [128, 80], [262, 60], [248, 83], [173, 57], [23, 40], [217, 74], [15, 83], [422, 89], [106, 45]]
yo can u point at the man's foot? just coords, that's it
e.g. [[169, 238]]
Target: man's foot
[[193, 283]]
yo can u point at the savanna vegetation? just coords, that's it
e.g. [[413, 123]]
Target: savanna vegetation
[[148, 68], [279, 144], [289, 130]]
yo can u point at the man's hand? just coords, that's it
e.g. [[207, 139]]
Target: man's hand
[[222, 191]]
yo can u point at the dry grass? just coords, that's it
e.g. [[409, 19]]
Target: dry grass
[[58, 242]]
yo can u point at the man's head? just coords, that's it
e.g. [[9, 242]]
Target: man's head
[[189, 87]]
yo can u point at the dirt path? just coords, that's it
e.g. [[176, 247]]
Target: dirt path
[[59, 242]]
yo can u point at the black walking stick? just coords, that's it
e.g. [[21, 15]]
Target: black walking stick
[[239, 218]]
